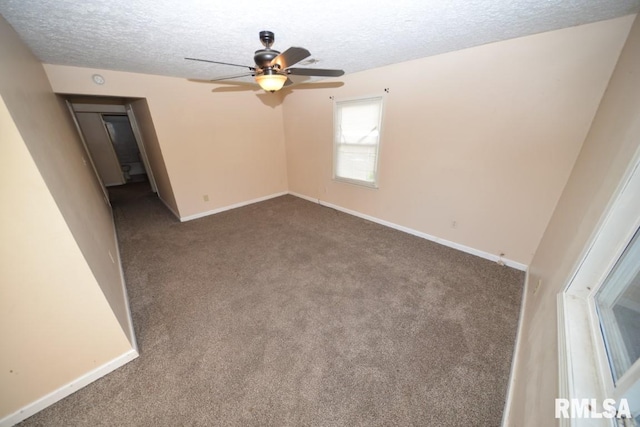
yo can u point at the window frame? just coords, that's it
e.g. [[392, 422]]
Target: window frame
[[584, 370], [336, 144]]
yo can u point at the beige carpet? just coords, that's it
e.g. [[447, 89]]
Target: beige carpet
[[286, 313]]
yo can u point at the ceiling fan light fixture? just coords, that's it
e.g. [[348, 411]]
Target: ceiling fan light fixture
[[271, 82], [272, 68]]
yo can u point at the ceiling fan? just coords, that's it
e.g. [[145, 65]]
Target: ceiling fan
[[273, 68]]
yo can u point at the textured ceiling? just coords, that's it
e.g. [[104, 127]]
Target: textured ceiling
[[153, 36]]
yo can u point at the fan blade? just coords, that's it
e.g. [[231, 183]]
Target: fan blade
[[224, 82], [316, 85], [289, 82], [248, 87], [289, 57], [237, 76], [238, 83], [222, 63], [320, 72]]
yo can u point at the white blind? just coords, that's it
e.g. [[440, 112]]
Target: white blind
[[357, 138]]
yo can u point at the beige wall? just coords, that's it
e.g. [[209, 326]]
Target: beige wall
[[55, 322], [229, 146], [485, 136], [612, 141], [62, 307], [48, 132], [152, 148]]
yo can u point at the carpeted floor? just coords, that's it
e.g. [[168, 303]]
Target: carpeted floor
[[286, 313]]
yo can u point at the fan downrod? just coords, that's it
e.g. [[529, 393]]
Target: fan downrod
[[267, 38]]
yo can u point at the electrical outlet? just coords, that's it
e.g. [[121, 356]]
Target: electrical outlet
[[454, 224], [205, 197]]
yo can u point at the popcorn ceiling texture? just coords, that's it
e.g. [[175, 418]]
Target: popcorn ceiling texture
[[151, 36]]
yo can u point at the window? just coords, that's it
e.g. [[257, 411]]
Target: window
[[599, 316], [618, 305], [357, 125]]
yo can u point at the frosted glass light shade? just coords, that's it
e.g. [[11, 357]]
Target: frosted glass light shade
[[271, 82]]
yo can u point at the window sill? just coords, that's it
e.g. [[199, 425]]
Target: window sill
[[365, 184]]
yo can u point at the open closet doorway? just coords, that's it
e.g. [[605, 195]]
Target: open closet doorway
[[126, 149], [113, 141]]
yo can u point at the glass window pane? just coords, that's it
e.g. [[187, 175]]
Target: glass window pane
[[618, 304], [357, 136], [356, 162]]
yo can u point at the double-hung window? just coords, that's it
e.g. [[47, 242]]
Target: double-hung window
[[599, 319], [357, 124]]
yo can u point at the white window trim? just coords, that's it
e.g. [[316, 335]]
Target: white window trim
[[584, 370], [374, 184]]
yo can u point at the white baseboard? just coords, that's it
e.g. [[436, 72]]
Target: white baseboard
[[506, 413], [67, 389], [463, 248], [229, 207], [302, 196]]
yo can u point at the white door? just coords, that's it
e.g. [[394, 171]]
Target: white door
[[101, 149]]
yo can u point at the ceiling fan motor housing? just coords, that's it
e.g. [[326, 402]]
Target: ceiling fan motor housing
[[263, 57]]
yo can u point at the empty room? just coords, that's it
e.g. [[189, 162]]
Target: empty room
[[327, 213]]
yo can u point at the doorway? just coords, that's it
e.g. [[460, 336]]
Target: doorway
[[126, 149], [112, 139]]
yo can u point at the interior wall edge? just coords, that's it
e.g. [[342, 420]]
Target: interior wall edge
[[168, 206], [506, 413], [130, 330]]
